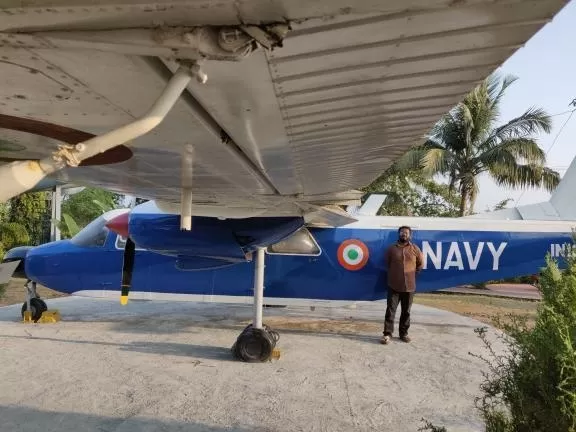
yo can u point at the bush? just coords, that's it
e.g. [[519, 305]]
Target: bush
[[533, 386]]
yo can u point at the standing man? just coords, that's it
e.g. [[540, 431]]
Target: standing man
[[403, 261]]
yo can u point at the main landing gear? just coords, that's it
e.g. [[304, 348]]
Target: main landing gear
[[256, 343], [33, 302]]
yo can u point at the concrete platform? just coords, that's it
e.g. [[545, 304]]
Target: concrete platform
[[162, 366]]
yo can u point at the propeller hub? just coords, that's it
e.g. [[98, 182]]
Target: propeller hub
[[119, 224]]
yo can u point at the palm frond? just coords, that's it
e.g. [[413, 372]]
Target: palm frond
[[497, 94], [533, 121], [525, 176], [512, 152], [526, 149], [436, 161], [550, 179], [70, 224], [411, 160]]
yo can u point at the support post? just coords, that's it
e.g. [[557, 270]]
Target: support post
[[56, 213], [186, 209], [186, 168], [258, 288]]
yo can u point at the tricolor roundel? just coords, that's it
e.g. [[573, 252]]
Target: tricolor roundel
[[352, 254]]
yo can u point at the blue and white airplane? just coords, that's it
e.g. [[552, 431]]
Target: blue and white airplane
[[143, 253], [264, 118], [306, 264]]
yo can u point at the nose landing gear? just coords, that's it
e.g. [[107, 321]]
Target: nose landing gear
[[33, 304]]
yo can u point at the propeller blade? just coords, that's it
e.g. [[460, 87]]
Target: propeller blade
[[127, 268]]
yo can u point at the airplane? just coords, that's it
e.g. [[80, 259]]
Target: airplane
[[306, 264], [264, 117]]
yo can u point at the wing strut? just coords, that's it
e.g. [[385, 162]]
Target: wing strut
[[186, 192], [18, 177]]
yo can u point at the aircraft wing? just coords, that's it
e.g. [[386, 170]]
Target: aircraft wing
[[347, 89]]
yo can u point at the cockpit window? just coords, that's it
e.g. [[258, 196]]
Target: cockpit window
[[299, 243], [92, 235]]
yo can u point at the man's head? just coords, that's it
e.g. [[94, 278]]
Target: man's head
[[404, 234]]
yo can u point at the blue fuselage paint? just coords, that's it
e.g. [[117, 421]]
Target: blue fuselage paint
[[451, 258]]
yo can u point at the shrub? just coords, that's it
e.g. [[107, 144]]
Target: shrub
[[533, 386]]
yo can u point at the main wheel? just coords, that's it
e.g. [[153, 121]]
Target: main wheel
[[255, 345], [37, 307]]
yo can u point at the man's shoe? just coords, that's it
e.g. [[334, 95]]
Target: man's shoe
[[405, 338], [385, 340]]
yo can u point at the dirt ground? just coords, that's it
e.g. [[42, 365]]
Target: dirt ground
[[14, 292], [482, 308], [167, 366]]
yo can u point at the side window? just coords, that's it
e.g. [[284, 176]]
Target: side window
[[299, 243]]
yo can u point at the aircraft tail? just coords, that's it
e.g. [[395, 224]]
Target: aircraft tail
[[560, 207]]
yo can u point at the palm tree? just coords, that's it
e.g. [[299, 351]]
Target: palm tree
[[466, 143]]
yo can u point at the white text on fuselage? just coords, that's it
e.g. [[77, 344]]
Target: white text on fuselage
[[460, 255], [562, 250]]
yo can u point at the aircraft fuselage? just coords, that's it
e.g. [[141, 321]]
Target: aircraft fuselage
[[347, 264]]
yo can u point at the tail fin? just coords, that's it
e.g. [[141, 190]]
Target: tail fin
[[563, 198], [561, 206]]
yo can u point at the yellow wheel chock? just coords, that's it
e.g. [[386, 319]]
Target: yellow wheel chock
[[49, 316]]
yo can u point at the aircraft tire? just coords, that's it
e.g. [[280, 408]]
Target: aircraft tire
[[255, 345], [38, 306]]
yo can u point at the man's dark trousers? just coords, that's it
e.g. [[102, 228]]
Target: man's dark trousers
[[405, 300]]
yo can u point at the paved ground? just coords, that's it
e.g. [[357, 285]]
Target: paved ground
[[160, 366], [501, 290]]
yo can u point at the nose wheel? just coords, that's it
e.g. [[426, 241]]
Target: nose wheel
[[33, 302], [256, 343]]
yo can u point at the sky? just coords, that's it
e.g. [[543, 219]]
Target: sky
[[546, 71]]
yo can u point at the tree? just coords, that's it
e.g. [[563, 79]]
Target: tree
[[412, 194], [90, 203], [500, 205], [12, 234], [83, 207], [31, 211], [466, 143]]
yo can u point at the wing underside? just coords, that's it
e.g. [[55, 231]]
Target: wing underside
[[353, 85]]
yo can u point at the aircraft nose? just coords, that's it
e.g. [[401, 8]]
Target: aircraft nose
[[43, 263]]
